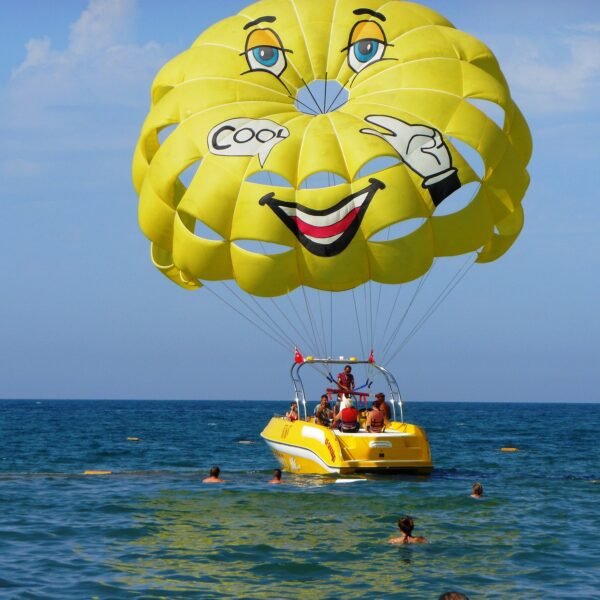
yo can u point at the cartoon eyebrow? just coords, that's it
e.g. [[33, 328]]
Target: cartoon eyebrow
[[259, 21], [368, 11]]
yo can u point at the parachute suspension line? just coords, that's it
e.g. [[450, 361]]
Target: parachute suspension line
[[456, 279], [372, 341], [358, 327], [396, 330], [268, 318], [311, 321], [323, 330], [290, 323], [380, 286], [366, 317], [331, 322], [319, 331], [244, 316], [300, 318]]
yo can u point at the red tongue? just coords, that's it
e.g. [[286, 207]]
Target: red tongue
[[328, 230]]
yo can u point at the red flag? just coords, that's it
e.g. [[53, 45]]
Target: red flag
[[371, 357], [298, 358]]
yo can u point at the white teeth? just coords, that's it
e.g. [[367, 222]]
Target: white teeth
[[326, 220], [324, 241]]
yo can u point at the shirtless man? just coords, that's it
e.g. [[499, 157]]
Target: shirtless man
[[213, 476], [276, 476], [406, 525]]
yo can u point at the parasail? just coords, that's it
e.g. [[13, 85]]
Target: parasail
[[313, 144]]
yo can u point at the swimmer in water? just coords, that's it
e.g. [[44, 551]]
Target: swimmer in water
[[406, 525], [213, 476], [276, 476], [476, 490]]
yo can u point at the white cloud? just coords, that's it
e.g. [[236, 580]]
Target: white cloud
[[99, 67], [554, 75], [100, 26], [79, 105]]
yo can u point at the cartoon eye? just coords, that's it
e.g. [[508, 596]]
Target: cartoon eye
[[266, 58], [364, 53], [367, 45], [264, 52]]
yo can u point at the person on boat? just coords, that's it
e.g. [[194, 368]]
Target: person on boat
[[337, 407], [347, 420], [406, 525], [345, 380], [476, 490], [376, 420], [213, 476], [323, 413], [276, 476], [292, 414], [383, 406]]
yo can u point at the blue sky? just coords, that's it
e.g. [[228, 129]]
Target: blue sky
[[84, 314]]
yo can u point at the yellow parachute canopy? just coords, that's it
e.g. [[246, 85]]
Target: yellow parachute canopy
[[291, 89]]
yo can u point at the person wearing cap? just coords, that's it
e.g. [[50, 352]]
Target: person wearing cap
[[383, 406], [376, 420]]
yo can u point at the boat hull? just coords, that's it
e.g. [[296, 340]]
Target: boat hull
[[307, 448]]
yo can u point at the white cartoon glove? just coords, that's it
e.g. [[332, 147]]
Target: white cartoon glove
[[420, 147]]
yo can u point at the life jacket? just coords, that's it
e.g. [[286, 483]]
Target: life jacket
[[349, 422], [377, 421]]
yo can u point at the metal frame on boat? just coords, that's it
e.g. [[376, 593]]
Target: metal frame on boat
[[306, 447]]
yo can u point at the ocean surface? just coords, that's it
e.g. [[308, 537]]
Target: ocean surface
[[151, 529]]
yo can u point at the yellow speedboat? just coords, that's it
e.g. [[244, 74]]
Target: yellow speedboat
[[304, 446]]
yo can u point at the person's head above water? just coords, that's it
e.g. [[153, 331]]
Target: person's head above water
[[477, 489], [214, 472], [406, 525]]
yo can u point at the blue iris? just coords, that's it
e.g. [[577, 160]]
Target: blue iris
[[266, 55], [366, 50]]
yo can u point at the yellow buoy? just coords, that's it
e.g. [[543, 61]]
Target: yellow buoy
[[97, 472], [509, 449]]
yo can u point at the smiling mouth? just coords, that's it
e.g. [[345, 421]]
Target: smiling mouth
[[325, 232]]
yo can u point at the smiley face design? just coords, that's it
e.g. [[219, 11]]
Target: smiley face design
[[369, 100]]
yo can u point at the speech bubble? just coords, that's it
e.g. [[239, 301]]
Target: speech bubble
[[246, 137]]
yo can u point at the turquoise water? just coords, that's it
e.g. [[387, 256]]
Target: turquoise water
[[153, 530]]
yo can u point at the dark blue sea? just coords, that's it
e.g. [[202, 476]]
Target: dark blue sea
[[151, 529]]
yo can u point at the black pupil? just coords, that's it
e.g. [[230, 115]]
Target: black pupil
[[267, 53], [365, 47]]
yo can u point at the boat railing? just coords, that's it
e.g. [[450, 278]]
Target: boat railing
[[395, 398]]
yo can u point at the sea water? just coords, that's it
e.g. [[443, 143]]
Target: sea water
[[151, 529]]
